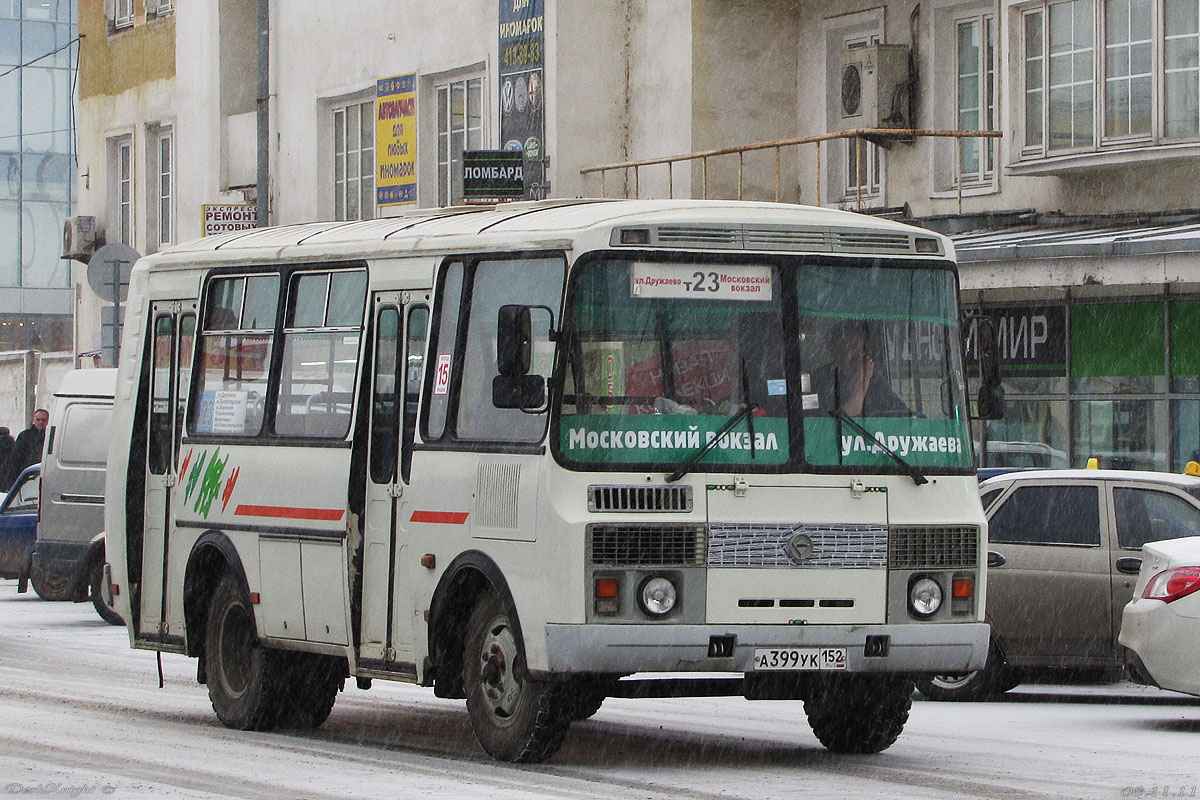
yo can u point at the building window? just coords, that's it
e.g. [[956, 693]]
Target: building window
[[121, 188], [460, 127], [863, 179], [354, 161], [164, 187], [976, 96], [1181, 74], [1095, 71], [122, 14], [159, 8]]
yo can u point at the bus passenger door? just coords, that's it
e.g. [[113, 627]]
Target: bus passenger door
[[386, 631], [170, 354]]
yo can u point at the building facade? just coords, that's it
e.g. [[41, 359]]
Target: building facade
[[1077, 226], [38, 68]]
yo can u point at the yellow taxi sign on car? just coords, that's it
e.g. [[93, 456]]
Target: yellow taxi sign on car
[[1192, 468], [1093, 463]]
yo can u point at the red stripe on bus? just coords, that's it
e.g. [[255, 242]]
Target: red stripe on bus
[[442, 517], [290, 512]]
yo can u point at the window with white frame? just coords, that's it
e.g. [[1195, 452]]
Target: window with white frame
[[164, 190], [1107, 73], [122, 14], [354, 161], [159, 8], [460, 127], [121, 188], [976, 95]]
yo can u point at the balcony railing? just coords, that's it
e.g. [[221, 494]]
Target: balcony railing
[[873, 135]]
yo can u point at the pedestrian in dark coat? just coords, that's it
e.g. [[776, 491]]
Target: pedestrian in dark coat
[[28, 447]]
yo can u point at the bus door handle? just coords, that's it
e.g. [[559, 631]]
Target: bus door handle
[[395, 490]]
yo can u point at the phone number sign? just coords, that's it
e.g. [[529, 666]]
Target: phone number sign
[[701, 281]]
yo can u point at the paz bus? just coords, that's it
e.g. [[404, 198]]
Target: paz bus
[[530, 455]]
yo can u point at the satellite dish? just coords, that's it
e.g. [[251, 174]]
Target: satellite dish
[[108, 271]]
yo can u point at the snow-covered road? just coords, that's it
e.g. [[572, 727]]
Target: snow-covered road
[[81, 715]]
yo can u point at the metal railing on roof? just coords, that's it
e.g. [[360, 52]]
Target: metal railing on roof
[[873, 135]]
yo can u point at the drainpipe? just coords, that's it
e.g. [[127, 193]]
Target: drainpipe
[[263, 177]]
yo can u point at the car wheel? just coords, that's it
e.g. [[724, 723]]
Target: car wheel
[[49, 587], [859, 713], [106, 612], [243, 676], [995, 678], [514, 717]]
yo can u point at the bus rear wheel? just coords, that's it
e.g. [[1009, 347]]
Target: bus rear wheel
[[859, 714], [308, 687], [243, 676], [514, 717]]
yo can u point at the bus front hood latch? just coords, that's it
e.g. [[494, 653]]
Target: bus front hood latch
[[856, 488]]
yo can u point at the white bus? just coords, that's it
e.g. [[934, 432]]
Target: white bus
[[531, 454]]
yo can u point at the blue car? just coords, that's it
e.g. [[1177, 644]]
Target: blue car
[[18, 526]]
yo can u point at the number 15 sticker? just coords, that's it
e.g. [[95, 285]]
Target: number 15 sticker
[[441, 378]]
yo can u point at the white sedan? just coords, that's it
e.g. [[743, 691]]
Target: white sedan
[[1161, 625]]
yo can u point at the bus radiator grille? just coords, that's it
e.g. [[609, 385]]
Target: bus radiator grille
[[616, 545], [783, 545], [934, 547]]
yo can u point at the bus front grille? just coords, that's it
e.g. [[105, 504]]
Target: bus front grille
[[617, 545], [804, 545], [933, 547]]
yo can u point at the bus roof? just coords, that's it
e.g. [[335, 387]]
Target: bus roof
[[679, 224]]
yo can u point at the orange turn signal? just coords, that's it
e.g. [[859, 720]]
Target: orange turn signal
[[962, 587], [607, 587]]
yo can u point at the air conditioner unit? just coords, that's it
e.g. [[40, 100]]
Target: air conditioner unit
[[874, 87], [81, 238]]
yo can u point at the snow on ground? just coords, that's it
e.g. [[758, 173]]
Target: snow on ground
[[81, 715]]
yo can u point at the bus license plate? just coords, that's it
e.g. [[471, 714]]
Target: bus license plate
[[800, 658]]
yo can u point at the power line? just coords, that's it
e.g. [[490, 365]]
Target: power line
[[11, 70]]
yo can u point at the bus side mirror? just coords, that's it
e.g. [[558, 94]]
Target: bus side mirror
[[526, 392], [991, 393], [514, 341]]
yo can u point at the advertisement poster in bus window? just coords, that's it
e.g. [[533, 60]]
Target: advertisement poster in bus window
[[396, 140], [522, 87]]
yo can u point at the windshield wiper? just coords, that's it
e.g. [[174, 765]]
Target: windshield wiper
[[913, 472], [686, 466]]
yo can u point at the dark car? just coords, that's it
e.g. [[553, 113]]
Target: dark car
[[1064, 549], [18, 526]]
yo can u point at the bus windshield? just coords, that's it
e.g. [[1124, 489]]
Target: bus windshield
[[662, 355]]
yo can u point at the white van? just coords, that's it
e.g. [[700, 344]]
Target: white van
[[68, 556]]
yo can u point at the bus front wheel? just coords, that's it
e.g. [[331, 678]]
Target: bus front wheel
[[514, 717], [858, 713], [242, 674]]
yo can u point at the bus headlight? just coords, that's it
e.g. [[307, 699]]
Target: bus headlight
[[924, 596], [657, 596]]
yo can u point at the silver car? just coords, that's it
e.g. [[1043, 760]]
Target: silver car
[[1064, 549]]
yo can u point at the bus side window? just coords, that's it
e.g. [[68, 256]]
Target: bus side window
[[441, 352], [414, 371], [321, 335]]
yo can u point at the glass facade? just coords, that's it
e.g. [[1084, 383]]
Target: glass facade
[[38, 61], [1118, 381]]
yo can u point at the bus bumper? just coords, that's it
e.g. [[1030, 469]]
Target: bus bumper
[[907, 649]]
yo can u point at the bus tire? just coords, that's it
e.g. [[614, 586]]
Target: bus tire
[[514, 717], [858, 713], [106, 612], [308, 688], [243, 676]]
